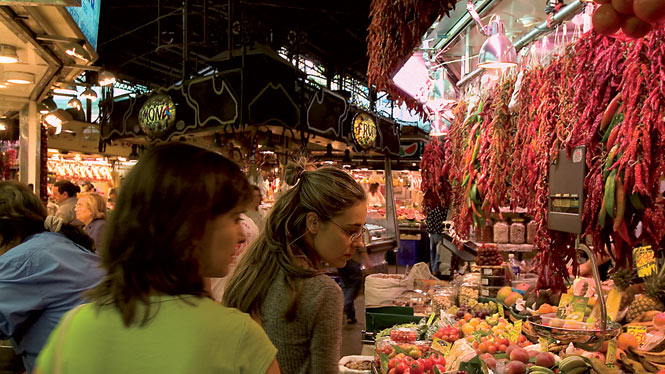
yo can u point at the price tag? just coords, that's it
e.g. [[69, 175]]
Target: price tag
[[611, 356], [639, 332], [544, 344], [645, 261], [501, 312], [441, 346], [516, 331]]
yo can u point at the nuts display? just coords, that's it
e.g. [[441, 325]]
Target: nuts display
[[501, 232], [517, 232], [468, 295]]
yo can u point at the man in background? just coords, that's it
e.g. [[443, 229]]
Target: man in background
[[64, 194]]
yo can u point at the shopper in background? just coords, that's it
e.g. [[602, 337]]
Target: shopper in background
[[352, 281], [175, 222], [45, 266], [110, 202], [251, 232], [64, 194], [254, 211], [91, 211], [436, 214], [280, 279], [88, 187], [375, 197]]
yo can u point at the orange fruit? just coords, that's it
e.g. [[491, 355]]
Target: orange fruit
[[474, 322], [627, 340], [468, 329], [544, 309]]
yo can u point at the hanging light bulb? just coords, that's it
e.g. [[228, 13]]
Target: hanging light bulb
[[498, 52], [106, 78], [75, 103], [89, 94]]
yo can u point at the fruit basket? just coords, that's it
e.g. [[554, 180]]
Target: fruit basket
[[566, 335]]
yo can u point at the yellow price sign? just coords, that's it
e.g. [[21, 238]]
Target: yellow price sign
[[645, 261], [441, 346], [501, 312], [544, 344], [639, 332], [516, 331]]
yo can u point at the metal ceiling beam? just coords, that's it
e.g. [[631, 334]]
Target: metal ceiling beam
[[464, 22], [566, 13]]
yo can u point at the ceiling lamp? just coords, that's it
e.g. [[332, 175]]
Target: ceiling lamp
[[498, 52], [75, 103], [4, 85], [19, 77], [8, 54], [89, 94], [56, 119], [76, 50], [50, 104], [106, 78], [66, 88]]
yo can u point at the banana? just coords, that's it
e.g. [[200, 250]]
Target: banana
[[577, 370], [540, 369], [572, 363]]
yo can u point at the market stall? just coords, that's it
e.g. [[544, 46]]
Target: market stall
[[558, 156]]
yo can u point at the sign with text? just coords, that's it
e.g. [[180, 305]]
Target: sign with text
[[639, 332], [157, 115], [86, 16], [645, 261]]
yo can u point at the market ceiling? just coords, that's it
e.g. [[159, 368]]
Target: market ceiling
[[332, 33]]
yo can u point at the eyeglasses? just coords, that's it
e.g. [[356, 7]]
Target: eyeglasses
[[353, 235]]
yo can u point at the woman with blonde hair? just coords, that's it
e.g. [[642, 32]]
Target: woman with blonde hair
[[280, 279], [91, 210]]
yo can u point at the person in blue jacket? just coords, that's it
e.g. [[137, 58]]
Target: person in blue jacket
[[45, 267]]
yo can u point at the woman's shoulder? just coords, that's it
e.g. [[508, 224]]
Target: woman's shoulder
[[321, 285]]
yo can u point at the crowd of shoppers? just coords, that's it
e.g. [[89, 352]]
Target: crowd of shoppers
[[145, 301]]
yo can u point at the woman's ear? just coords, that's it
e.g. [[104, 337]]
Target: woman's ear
[[312, 221]]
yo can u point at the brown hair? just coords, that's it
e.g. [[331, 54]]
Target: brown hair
[[327, 192], [22, 214], [161, 213]]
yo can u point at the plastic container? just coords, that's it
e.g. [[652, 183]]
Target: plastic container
[[443, 299], [517, 231], [408, 252], [514, 265], [492, 271], [501, 232], [486, 233], [531, 231], [404, 335]]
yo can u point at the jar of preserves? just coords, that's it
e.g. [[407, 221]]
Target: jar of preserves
[[501, 232], [517, 231]]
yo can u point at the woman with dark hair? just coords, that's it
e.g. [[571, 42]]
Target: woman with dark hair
[[280, 279], [64, 194], [175, 222], [45, 266]]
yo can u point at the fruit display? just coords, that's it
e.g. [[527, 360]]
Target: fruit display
[[468, 295], [489, 255], [447, 333], [635, 18]]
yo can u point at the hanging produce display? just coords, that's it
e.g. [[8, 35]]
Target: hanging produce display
[[435, 188], [603, 93], [395, 29]]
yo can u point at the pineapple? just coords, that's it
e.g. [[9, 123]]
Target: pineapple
[[622, 278], [652, 300]]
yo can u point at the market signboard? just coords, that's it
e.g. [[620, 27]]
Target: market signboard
[[157, 115], [86, 16], [364, 130]]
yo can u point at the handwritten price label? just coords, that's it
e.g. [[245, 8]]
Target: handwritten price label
[[516, 331], [639, 332], [544, 344], [645, 261], [441, 346]]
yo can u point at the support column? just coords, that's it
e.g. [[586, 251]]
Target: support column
[[30, 146], [391, 208]]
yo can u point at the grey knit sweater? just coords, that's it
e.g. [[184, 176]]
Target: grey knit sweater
[[311, 342]]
